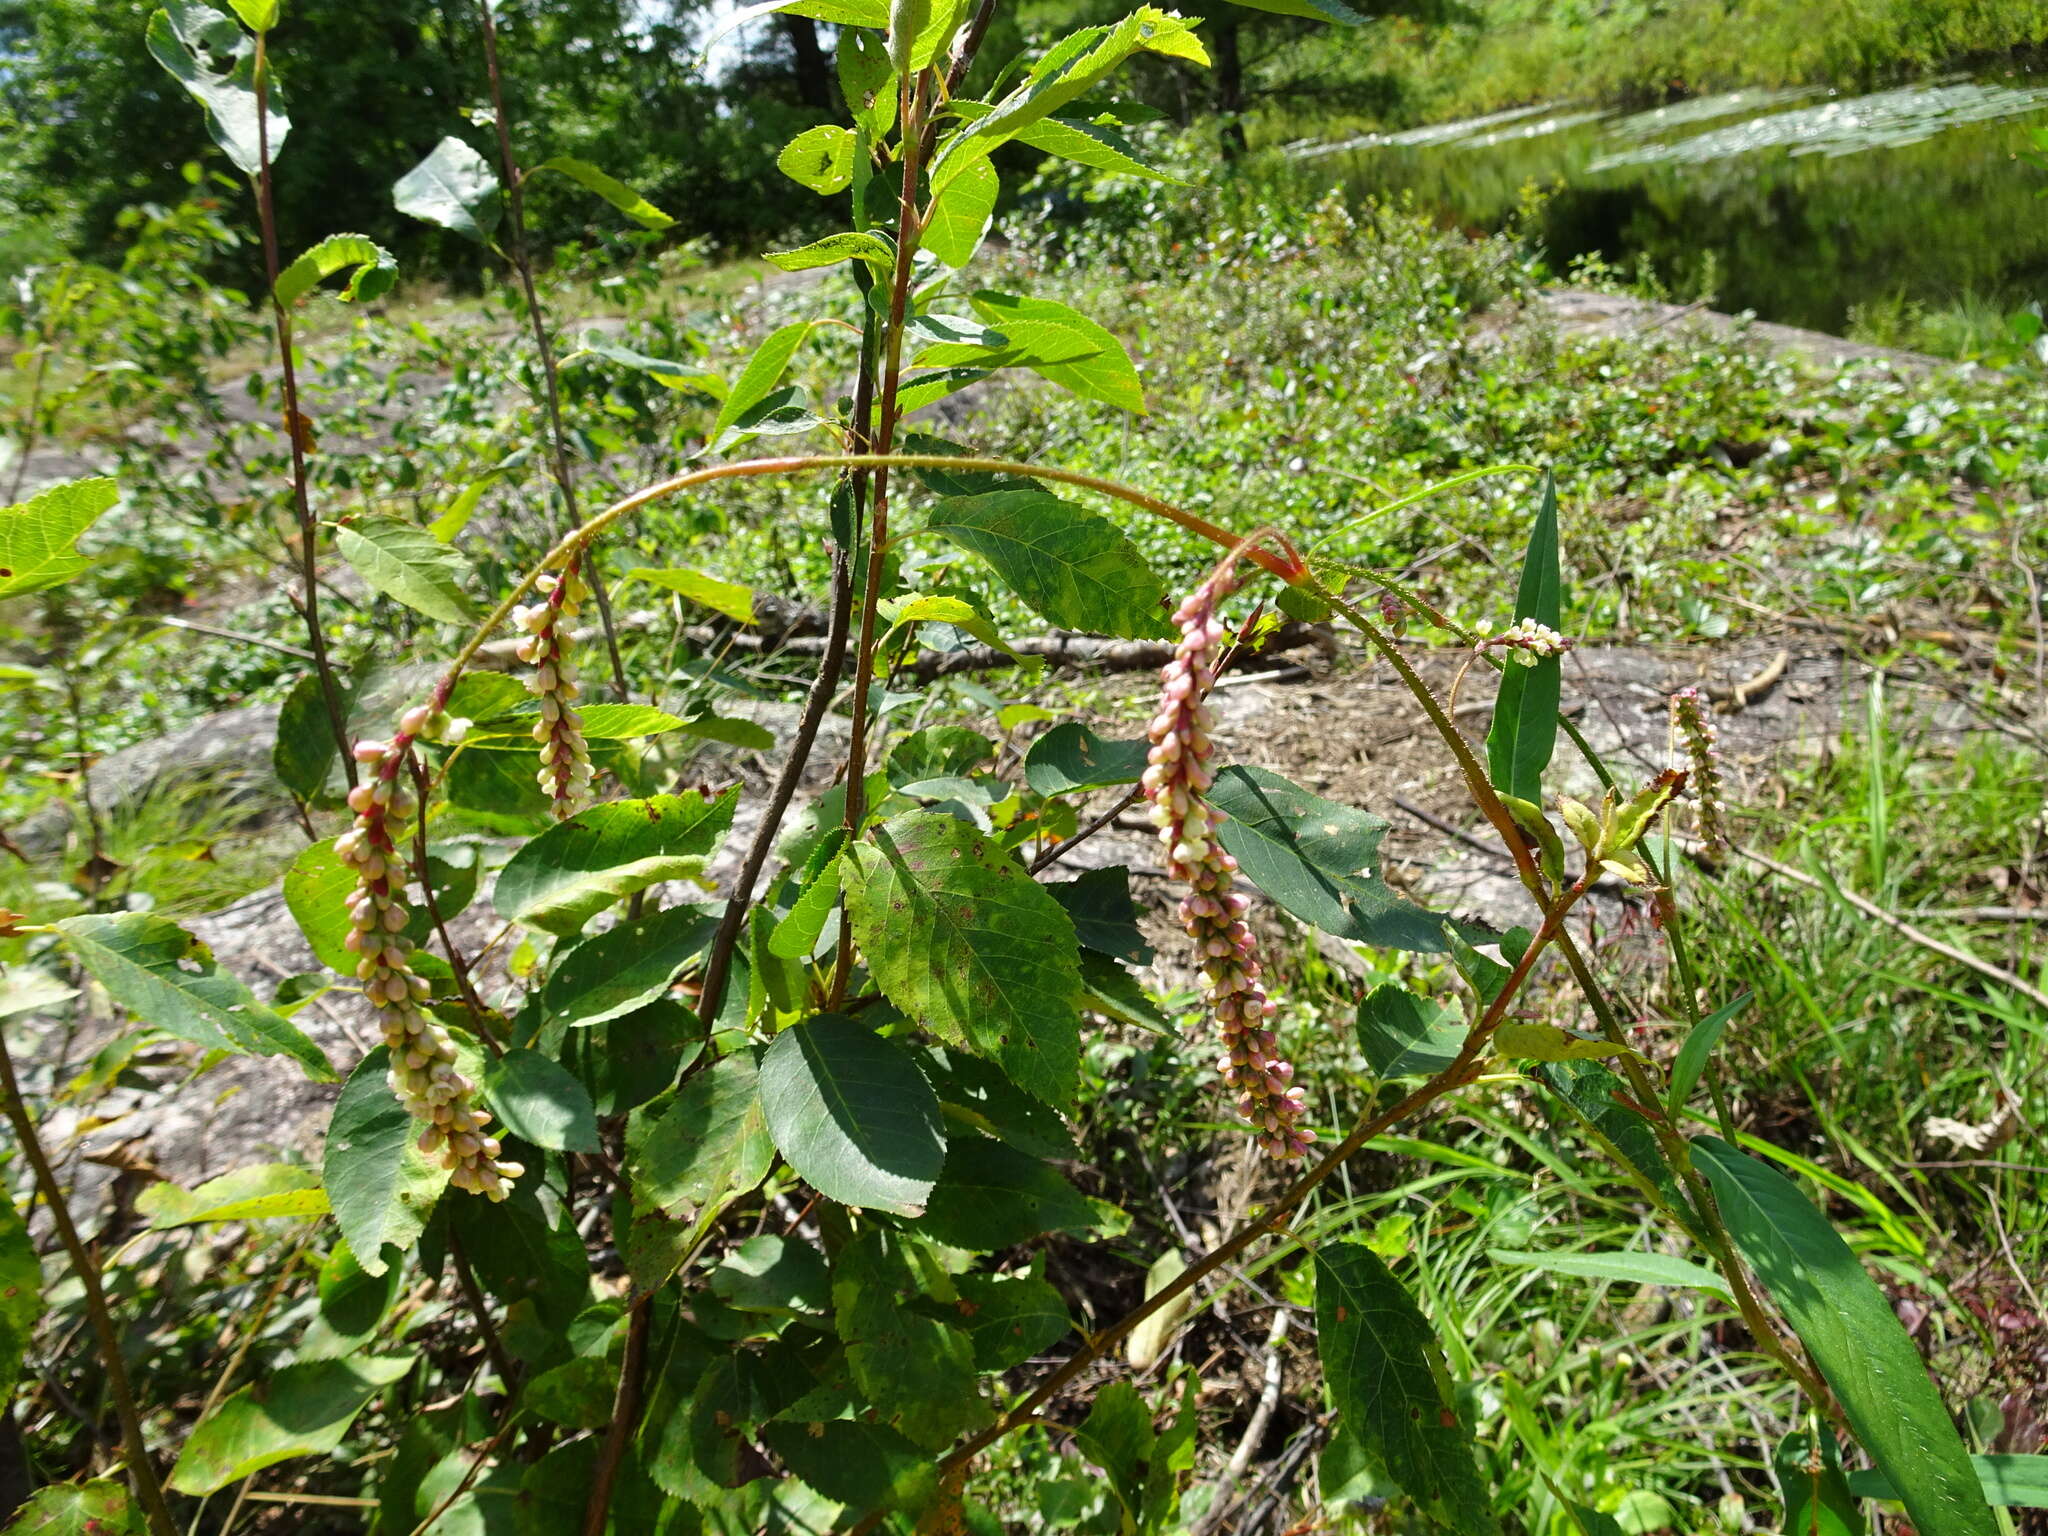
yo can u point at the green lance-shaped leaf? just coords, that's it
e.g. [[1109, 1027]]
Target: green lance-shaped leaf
[[302, 1410], [849, 245], [1854, 1338], [1096, 145], [407, 563], [853, 1115], [39, 537], [960, 215], [168, 979], [214, 61], [21, 1294], [353, 1302], [1625, 1268], [381, 1186], [840, 13], [455, 188], [960, 938], [1817, 1501], [1071, 69], [820, 158], [1314, 857], [574, 870], [2015, 1481], [608, 187], [1314, 10], [1524, 731], [540, 1102], [1552, 1042], [1071, 565], [1698, 1048], [727, 597], [100, 1507], [1593, 1096], [764, 370], [372, 269], [1387, 1375], [263, 1192]]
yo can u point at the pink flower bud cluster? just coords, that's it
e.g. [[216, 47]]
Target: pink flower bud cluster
[[1528, 642], [1694, 724], [1176, 782], [564, 755], [423, 1072]]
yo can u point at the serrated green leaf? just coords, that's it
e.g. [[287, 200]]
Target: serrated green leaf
[[540, 1102], [301, 1410], [1627, 1268], [213, 60], [455, 188], [975, 1095], [21, 1294], [1069, 564], [867, 81], [960, 938], [1315, 858], [1094, 145], [1392, 1387], [353, 1302], [763, 372], [372, 270], [560, 880], [1314, 10], [796, 936], [608, 187], [260, 1193], [1105, 917], [381, 1186], [1853, 1336], [626, 967], [165, 977], [1524, 730], [769, 1272], [39, 537], [991, 1196], [960, 215], [407, 563], [1551, 1042], [820, 158], [864, 1466], [1010, 1318], [1057, 343], [711, 1143], [100, 1507], [302, 755], [852, 1115], [628, 1060], [918, 1373]]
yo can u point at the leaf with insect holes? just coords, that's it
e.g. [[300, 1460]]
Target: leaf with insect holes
[[100, 1507], [1392, 1387], [608, 187], [710, 1143], [301, 1410], [820, 158], [959, 937], [560, 880], [167, 978], [381, 1186], [1069, 564], [407, 563], [262, 1192], [453, 187], [371, 269], [853, 1115], [215, 62], [1853, 1336], [1524, 731], [39, 537]]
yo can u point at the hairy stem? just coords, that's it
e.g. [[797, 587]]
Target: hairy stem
[[86, 1267], [295, 429], [551, 386]]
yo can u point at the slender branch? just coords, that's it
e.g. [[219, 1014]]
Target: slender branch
[[86, 1268], [472, 1293], [456, 963], [625, 1418], [295, 428], [522, 263]]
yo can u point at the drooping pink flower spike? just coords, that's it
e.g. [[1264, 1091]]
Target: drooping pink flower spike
[[1177, 783], [564, 754]]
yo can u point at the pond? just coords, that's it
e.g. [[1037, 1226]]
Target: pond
[[1802, 205]]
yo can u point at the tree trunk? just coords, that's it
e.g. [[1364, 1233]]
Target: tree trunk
[[1223, 38], [813, 69]]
